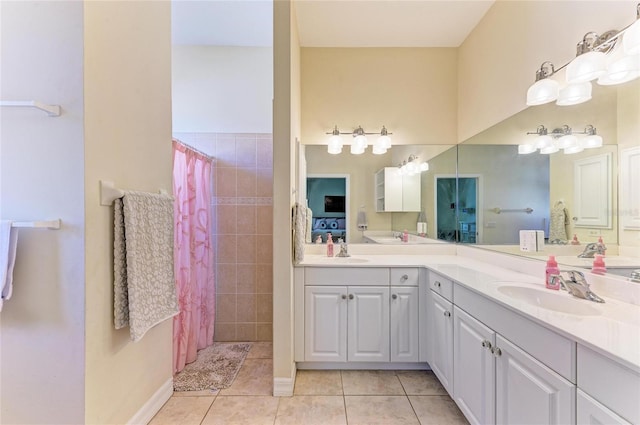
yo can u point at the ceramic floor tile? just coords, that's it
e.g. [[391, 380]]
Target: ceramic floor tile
[[255, 378], [183, 411], [242, 410], [379, 410], [311, 410], [371, 382], [437, 410], [420, 382], [261, 350], [318, 382]]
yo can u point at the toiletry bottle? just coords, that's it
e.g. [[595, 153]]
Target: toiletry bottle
[[598, 265], [329, 245], [551, 270], [601, 247], [575, 240], [405, 236], [319, 239]]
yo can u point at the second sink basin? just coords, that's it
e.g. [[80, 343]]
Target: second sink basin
[[550, 300]]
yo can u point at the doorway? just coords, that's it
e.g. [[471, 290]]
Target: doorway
[[457, 208], [328, 199]]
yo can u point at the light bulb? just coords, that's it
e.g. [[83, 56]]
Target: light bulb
[[574, 94], [424, 167], [543, 141], [361, 140], [586, 67], [335, 145], [631, 39], [526, 148], [384, 141], [573, 149], [356, 149], [620, 67], [542, 91], [591, 141], [377, 150], [567, 141], [550, 149]]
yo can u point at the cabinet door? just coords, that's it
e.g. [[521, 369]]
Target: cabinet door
[[325, 323], [528, 392], [404, 324], [441, 332], [411, 193], [392, 190], [368, 324], [473, 368], [590, 412]]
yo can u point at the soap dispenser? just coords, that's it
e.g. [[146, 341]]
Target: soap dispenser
[[329, 245], [575, 240], [552, 270], [598, 265]]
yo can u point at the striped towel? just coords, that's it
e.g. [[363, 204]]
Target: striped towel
[[144, 285]]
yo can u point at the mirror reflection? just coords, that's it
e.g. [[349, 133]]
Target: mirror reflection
[[483, 192]]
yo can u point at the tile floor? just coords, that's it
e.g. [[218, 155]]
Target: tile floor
[[324, 397]]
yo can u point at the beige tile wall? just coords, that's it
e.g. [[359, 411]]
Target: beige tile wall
[[243, 232]]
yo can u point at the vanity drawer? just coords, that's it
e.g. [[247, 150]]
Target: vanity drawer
[[371, 276], [404, 276], [609, 382], [441, 285]]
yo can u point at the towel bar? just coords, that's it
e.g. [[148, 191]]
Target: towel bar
[[109, 193]]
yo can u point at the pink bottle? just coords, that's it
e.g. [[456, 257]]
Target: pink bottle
[[329, 245], [405, 236], [551, 270], [598, 265]]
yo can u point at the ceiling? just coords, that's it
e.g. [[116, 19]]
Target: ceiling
[[329, 23]]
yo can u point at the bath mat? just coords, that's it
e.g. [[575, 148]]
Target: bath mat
[[215, 368]]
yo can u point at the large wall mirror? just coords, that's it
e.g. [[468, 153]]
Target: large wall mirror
[[483, 192]]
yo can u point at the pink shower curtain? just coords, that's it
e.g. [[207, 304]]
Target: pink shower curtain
[[193, 254]]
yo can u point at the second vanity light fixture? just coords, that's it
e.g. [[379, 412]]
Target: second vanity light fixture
[[359, 142], [611, 58], [561, 138], [412, 166]]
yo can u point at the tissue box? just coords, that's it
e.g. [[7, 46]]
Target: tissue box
[[531, 240]]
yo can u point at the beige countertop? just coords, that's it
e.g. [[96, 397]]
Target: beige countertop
[[612, 328]]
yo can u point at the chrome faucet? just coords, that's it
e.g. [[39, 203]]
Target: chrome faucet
[[576, 285], [343, 250], [591, 249], [397, 235]]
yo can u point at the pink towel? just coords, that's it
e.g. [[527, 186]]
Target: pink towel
[[8, 244]]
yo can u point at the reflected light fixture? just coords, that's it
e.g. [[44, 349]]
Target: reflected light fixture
[[359, 142], [412, 166], [612, 58], [561, 138]]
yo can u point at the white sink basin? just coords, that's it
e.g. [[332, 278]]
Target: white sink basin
[[546, 299]]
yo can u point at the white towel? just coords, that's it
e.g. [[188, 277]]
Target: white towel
[[309, 226], [144, 284], [559, 219], [299, 223], [8, 244]]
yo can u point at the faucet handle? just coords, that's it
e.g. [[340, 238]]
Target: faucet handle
[[578, 277]]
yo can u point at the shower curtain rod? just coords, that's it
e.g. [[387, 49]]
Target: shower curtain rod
[[194, 149]]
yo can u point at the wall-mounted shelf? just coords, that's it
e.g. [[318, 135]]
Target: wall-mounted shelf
[[41, 224], [51, 110]]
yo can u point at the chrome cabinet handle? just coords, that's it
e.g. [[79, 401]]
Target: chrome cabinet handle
[[344, 297], [350, 296], [447, 314], [486, 344], [438, 284], [394, 296], [404, 277], [496, 351]]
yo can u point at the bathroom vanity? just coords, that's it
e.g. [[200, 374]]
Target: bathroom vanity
[[506, 349]]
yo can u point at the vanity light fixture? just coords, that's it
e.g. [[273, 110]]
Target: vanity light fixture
[[611, 58], [412, 166], [359, 143], [561, 138]]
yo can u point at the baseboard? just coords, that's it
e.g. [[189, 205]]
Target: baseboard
[[153, 405], [283, 387]]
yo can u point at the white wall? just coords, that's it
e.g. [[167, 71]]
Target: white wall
[[127, 140], [42, 327], [222, 89]]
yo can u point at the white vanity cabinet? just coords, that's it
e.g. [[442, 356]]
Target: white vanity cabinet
[[395, 192], [497, 381], [360, 315], [440, 324]]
